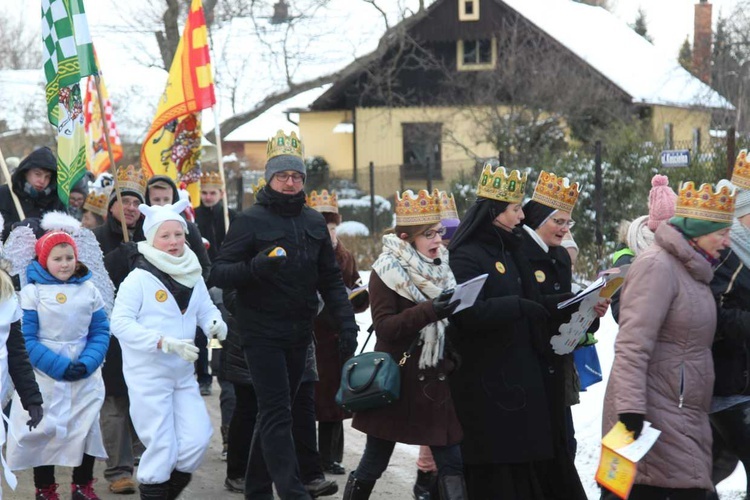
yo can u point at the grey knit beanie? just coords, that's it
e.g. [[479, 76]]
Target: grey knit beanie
[[284, 162], [742, 203]]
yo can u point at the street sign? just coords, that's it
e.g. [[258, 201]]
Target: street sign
[[675, 158]]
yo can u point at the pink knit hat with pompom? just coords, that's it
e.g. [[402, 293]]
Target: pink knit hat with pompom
[[661, 201]]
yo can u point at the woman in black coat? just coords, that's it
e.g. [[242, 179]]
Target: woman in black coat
[[499, 390]]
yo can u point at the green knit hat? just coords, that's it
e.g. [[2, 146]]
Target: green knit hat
[[692, 228]]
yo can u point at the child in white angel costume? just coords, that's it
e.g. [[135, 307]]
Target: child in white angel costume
[[66, 331], [157, 309]]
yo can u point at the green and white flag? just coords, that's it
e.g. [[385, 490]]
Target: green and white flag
[[68, 57]]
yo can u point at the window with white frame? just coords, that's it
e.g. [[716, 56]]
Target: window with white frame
[[468, 10], [475, 55]]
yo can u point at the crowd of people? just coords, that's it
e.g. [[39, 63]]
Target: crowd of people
[[107, 313]]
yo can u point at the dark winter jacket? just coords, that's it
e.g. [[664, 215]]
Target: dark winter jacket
[[32, 207], [731, 348], [499, 391], [623, 256], [20, 370], [119, 260], [327, 344], [424, 413], [279, 310], [210, 221], [193, 238], [553, 275]]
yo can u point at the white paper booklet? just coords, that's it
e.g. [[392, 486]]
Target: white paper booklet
[[467, 292]]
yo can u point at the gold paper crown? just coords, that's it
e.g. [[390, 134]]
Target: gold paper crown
[[741, 172], [448, 208], [131, 178], [282, 144], [324, 201], [211, 180], [556, 192], [501, 186], [415, 210], [97, 202], [257, 187], [705, 203]]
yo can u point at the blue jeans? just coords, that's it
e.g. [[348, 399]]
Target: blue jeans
[[378, 453]]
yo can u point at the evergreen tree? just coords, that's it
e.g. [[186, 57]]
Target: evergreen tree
[[685, 57], [640, 26]]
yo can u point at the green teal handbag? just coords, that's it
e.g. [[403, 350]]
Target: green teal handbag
[[370, 380]]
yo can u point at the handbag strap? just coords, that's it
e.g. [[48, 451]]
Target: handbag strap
[[406, 355]]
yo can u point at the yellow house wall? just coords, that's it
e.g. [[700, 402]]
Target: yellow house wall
[[316, 132], [683, 121]]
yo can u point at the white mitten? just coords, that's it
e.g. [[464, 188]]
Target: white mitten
[[183, 348], [218, 329]]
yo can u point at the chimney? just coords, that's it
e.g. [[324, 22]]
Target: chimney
[[702, 41]]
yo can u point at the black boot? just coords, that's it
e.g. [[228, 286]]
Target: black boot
[[426, 486], [177, 482], [158, 491], [356, 489], [452, 487]]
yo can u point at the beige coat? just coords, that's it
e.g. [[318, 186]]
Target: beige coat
[[663, 366]]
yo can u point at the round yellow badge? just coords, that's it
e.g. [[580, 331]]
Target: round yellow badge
[[500, 267], [161, 295], [540, 276], [61, 298]]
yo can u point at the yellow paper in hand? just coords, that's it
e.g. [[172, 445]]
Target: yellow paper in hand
[[616, 473]]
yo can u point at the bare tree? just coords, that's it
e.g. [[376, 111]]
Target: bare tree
[[21, 45]]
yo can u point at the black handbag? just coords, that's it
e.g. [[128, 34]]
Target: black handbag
[[370, 380]]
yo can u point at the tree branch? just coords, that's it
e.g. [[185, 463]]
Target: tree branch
[[233, 123]]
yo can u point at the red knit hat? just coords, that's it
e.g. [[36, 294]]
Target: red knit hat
[[46, 243]]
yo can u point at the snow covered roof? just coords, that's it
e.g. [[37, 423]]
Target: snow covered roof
[[610, 46]]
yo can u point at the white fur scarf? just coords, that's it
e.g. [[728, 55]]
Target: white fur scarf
[[413, 277], [640, 237]]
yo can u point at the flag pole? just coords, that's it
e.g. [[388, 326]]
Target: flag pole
[[221, 167], [6, 174], [112, 165]]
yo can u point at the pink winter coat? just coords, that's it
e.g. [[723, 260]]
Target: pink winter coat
[[663, 366]]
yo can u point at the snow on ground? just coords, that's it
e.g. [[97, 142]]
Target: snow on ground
[[588, 414]]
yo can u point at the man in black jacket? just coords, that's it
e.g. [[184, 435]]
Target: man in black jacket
[[117, 429], [35, 184], [277, 300]]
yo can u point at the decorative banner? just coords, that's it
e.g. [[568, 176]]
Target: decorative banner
[[97, 157], [68, 57], [172, 145]]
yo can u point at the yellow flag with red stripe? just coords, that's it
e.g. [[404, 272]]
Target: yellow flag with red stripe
[[172, 146]]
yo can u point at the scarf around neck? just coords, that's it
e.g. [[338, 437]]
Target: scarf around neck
[[185, 270], [413, 277], [739, 237]]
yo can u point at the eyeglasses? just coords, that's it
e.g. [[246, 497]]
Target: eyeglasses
[[564, 223], [296, 177], [431, 233]]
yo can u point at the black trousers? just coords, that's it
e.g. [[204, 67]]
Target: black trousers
[[241, 429], [44, 476], [276, 374], [202, 370], [305, 436], [331, 442], [731, 431]]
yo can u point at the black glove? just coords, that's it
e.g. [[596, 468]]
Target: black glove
[[532, 310], [633, 422], [36, 413], [75, 371], [264, 266], [360, 300], [348, 343], [441, 304]]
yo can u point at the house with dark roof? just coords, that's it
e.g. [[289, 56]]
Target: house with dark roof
[[426, 100]]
